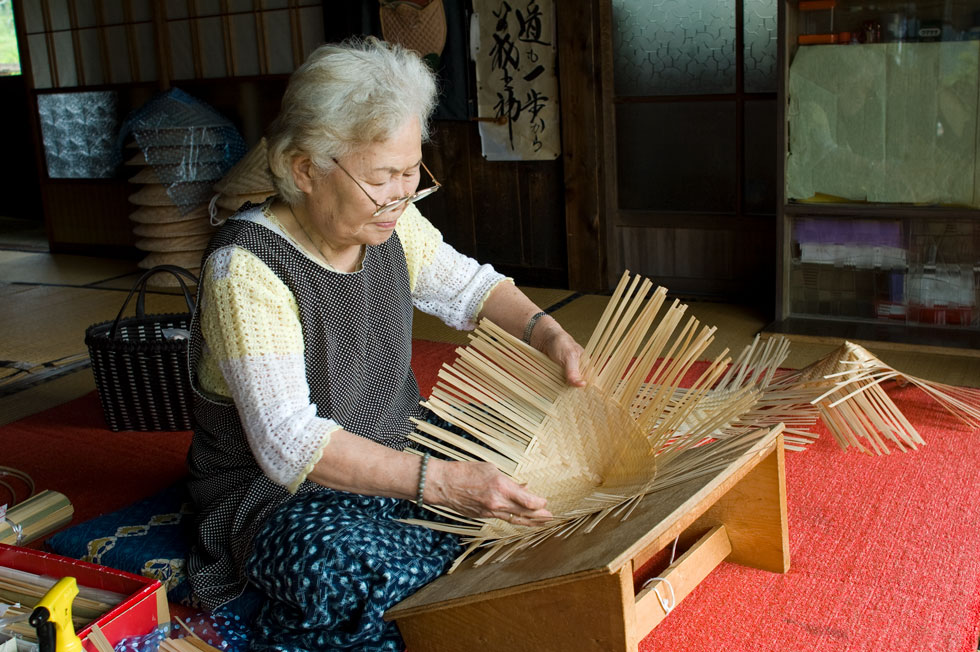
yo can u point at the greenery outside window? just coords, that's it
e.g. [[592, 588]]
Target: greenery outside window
[[9, 56]]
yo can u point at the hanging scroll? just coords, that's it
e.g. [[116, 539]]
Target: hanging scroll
[[517, 86]]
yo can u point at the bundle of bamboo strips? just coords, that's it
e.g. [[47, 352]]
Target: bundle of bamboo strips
[[20, 591], [35, 517], [848, 389], [633, 430], [595, 451]]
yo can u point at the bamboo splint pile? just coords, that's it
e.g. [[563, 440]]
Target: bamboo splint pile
[[187, 644], [633, 430], [20, 592], [848, 389], [190, 643], [35, 517], [595, 451]]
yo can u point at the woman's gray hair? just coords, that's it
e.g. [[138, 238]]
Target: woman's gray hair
[[343, 97]]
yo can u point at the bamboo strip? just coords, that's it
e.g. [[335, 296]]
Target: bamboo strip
[[617, 361], [493, 421], [607, 313], [502, 383], [475, 450], [470, 421], [35, 517], [543, 386], [489, 402], [99, 640], [531, 357], [610, 316]]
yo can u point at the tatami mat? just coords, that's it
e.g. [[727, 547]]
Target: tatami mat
[[46, 330], [23, 234], [59, 269], [127, 281], [45, 324]]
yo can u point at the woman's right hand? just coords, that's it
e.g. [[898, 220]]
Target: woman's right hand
[[480, 490]]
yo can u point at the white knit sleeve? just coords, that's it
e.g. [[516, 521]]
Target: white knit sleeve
[[251, 328], [453, 287], [444, 282]]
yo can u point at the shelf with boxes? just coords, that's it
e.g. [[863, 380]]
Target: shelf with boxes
[[879, 171], [914, 271], [823, 22]]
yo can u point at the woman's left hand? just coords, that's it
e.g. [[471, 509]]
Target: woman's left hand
[[510, 309], [552, 340]]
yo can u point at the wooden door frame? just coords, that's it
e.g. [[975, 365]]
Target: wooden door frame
[[588, 100], [585, 79]]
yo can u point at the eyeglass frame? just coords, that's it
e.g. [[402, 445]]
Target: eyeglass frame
[[395, 203]]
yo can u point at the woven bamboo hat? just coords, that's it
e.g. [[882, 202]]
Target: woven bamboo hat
[[419, 28], [176, 154], [169, 280], [174, 243], [151, 194], [165, 214], [595, 450], [195, 226], [146, 174], [234, 202], [250, 175], [190, 260]]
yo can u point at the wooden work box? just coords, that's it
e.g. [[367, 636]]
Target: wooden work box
[[577, 593]]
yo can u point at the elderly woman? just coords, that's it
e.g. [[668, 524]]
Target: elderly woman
[[301, 353]]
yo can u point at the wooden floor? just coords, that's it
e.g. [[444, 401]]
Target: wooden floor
[[49, 301]]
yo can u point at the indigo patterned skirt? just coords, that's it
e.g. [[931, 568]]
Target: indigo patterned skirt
[[331, 563]]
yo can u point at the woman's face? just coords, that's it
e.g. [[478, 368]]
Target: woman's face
[[389, 170]]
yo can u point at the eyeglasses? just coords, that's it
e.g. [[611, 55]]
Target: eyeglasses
[[396, 203]]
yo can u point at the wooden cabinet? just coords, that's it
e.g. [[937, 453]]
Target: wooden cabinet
[[879, 164]]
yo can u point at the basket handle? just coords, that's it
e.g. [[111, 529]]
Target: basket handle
[[178, 272]]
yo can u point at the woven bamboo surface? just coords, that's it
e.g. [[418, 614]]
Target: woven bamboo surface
[[591, 451], [151, 194], [250, 175], [234, 202], [194, 226], [166, 214]]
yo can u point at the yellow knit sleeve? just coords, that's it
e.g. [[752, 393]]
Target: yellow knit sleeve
[[420, 240], [246, 310]]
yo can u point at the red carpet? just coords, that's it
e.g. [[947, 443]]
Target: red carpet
[[885, 550], [885, 555], [69, 448]]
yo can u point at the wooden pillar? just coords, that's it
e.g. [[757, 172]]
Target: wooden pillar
[[583, 130]]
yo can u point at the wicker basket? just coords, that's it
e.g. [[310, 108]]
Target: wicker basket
[[140, 362]]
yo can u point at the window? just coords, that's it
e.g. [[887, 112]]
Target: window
[[9, 56]]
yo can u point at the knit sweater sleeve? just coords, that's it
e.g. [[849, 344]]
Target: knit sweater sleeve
[[253, 337], [444, 283]]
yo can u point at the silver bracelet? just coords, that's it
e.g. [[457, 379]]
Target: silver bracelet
[[422, 470], [530, 326]]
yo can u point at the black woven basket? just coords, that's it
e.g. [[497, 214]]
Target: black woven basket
[[140, 362]]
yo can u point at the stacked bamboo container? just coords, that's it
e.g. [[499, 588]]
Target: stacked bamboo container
[[169, 233], [248, 181]]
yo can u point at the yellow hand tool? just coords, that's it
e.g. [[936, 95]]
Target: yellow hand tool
[[52, 618]]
